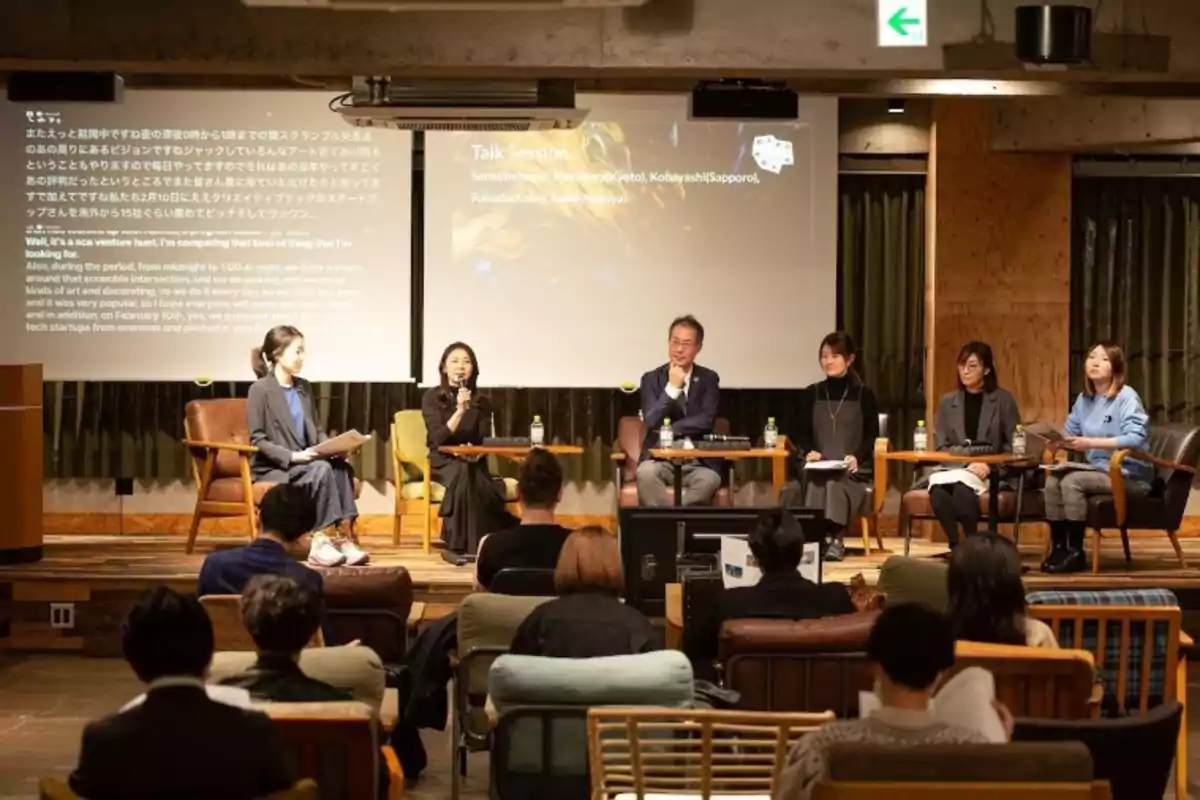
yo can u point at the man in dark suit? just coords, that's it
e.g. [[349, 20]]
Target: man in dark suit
[[777, 544], [287, 514], [177, 742], [687, 394]]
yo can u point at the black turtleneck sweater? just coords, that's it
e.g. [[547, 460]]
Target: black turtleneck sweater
[[834, 389]]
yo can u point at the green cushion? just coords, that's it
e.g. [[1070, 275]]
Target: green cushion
[[915, 580], [662, 678]]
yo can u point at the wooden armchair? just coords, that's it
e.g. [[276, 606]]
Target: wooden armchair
[[631, 432], [692, 752], [1174, 451], [216, 435], [1034, 681], [229, 632]]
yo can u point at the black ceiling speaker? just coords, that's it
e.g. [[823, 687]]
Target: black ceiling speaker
[[1054, 34]]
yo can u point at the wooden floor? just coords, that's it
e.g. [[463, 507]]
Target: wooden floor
[[131, 561]]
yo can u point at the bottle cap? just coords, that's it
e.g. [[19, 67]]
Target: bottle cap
[[1020, 427], [537, 417], [666, 420], [770, 420], [920, 423]]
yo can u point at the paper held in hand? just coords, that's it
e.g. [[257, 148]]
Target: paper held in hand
[[341, 445], [1047, 430]]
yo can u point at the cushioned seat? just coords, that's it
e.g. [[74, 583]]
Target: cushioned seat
[[631, 432], [354, 669], [916, 504], [370, 604], [229, 490], [415, 490]]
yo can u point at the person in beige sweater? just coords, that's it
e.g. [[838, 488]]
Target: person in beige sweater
[[910, 647]]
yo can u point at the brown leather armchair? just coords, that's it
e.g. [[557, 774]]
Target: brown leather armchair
[[631, 432], [798, 665], [370, 604]]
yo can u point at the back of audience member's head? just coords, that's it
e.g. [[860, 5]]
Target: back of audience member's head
[[777, 542], [167, 634], [912, 645], [540, 481], [987, 598], [287, 511], [589, 562], [280, 614]]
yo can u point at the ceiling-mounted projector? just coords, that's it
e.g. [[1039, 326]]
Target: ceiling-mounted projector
[[1054, 34], [444, 5], [382, 102]]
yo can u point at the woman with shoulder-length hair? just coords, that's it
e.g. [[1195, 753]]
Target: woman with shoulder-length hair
[[456, 414], [978, 412], [1107, 416], [283, 426], [587, 619], [838, 421], [987, 597]]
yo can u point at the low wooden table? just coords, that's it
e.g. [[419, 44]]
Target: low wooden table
[[994, 460], [778, 454]]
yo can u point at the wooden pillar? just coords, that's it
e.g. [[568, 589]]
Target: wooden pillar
[[998, 261], [21, 463]]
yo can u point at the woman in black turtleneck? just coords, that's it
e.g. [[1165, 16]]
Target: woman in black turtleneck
[[838, 421], [978, 412]]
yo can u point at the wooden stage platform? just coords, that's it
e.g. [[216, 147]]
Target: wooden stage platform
[[101, 574]]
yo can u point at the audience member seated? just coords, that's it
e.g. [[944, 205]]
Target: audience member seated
[[987, 598], [287, 514], [777, 543], [537, 541], [587, 619], [177, 743], [910, 648], [281, 616]]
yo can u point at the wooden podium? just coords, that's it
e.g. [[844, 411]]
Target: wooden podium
[[21, 463]]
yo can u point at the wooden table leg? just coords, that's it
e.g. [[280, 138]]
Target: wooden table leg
[[778, 476]]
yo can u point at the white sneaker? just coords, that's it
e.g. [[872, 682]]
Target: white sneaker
[[355, 556], [322, 553]]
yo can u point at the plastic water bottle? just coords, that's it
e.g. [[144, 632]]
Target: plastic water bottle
[[770, 434], [1018, 442], [537, 432], [666, 437], [920, 437]]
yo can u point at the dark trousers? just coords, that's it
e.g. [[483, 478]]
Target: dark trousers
[[329, 483], [955, 504]]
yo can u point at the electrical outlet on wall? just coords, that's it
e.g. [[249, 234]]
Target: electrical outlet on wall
[[62, 615]]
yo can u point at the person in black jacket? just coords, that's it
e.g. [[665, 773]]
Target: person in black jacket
[[283, 426], [456, 414], [177, 743], [777, 544]]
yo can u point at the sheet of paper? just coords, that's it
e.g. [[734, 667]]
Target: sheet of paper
[[341, 445], [965, 700], [738, 567], [1047, 430], [825, 465], [1072, 466]]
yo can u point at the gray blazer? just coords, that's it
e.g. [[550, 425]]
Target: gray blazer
[[998, 418], [270, 424]]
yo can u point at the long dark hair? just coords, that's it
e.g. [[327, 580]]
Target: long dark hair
[[982, 351], [447, 392], [274, 343], [987, 598]]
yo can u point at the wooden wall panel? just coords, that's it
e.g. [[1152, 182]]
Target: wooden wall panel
[[998, 264]]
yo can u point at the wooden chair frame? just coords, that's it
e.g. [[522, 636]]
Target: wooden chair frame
[[203, 476], [1174, 671], [223, 610], [1121, 503], [1037, 681], [692, 751]]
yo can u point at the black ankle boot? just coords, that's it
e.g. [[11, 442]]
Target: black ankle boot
[[1076, 560], [1058, 545]]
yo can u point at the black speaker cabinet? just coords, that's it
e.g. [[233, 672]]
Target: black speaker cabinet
[[1054, 34]]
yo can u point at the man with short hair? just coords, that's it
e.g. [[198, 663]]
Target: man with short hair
[[177, 742], [910, 648], [287, 515], [777, 544], [282, 617], [687, 394], [536, 542]]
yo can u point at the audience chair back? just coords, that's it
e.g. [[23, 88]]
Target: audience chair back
[[1134, 754], [229, 632], [693, 752], [337, 745], [57, 789], [370, 604], [1040, 770], [798, 665], [1034, 681], [524, 581], [218, 439]]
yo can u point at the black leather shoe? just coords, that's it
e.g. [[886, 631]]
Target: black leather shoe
[[1075, 561], [1058, 547]]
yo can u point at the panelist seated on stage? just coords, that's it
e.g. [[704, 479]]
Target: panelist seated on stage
[[177, 742], [456, 414], [979, 411], [777, 544], [537, 541], [687, 394], [283, 426]]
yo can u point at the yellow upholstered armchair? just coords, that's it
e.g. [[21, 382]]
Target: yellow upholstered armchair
[[416, 492]]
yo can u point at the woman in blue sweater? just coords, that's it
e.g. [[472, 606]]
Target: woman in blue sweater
[[1107, 416]]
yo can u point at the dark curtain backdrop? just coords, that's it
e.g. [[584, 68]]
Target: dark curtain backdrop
[[106, 430], [1135, 279]]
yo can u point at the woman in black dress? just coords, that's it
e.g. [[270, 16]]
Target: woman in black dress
[[455, 415], [838, 422]]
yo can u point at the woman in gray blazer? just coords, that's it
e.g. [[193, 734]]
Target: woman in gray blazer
[[979, 412], [283, 426]]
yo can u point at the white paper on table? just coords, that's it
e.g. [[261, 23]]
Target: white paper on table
[[738, 567], [831, 466], [965, 700], [961, 475]]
